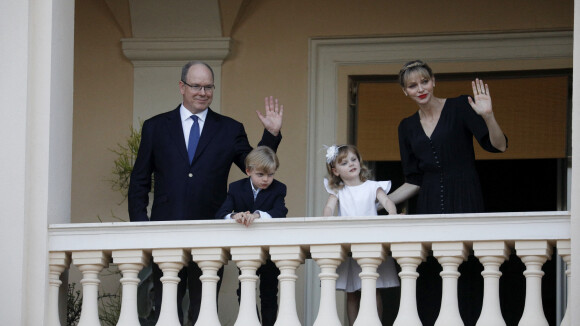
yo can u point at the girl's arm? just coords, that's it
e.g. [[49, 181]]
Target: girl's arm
[[386, 202], [330, 205], [404, 192]]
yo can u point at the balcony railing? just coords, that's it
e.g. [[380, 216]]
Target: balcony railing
[[288, 242]]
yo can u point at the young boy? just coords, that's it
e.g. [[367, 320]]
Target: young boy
[[259, 196]]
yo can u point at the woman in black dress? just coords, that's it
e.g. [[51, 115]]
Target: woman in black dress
[[438, 159], [436, 144]]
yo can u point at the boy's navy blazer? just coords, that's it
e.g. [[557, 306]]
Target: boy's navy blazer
[[241, 199], [184, 191]]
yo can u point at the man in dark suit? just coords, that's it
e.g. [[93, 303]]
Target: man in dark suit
[[259, 196], [189, 152]]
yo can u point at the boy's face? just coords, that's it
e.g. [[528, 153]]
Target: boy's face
[[260, 179]]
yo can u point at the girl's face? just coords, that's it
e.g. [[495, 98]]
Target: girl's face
[[419, 87], [348, 168]]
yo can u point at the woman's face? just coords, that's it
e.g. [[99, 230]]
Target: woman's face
[[419, 87]]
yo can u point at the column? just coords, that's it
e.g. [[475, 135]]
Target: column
[[90, 263], [450, 255], [209, 260], [248, 259], [369, 257], [170, 261], [58, 262], [409, 256], [287, 259], [328, 258], [533, 254], [565, 251], [36, 145], [130, 263], [491, 255]]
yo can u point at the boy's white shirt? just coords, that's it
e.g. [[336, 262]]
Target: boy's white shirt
[[261, 213]]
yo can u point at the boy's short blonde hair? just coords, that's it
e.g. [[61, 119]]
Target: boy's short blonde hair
[[262, 158]]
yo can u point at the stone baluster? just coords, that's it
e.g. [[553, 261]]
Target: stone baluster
[[328, 257], [565, 251], [209, 260], [248, 259], [90, 263], [450, 255], [491, 255], [57, 262], [170, 261], [130, 263], [409, 256], [369, 257], [287, 259], [533, 254]]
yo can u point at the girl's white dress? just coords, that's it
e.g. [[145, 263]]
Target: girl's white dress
[[360, 201]]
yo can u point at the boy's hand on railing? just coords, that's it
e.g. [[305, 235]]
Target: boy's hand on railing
[[245, 218]]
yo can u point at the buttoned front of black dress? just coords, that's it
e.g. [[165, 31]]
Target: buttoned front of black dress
[[443, 165]]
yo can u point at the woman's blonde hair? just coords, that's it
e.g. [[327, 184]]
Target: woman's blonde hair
[[415, 66], [334, 181]]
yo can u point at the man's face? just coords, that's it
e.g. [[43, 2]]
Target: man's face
[[197, 101], [260, 179]]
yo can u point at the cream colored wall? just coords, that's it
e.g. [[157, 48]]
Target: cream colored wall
[[103, 106]]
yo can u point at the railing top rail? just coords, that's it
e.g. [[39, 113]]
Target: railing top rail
[[306, 231]]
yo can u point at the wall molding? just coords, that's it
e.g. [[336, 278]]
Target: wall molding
[[170, 51]]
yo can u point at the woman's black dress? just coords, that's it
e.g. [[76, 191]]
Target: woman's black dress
[[444, 167]]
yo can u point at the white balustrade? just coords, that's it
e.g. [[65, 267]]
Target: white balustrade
[[369, 256], [287, 259], [326, 240], [533, 254], [90, 263], [130, 263], [58, 262], [328, 257], [565, 251], [248, 259], [170, 261], [209, 260], [409, 256], [450, 255], [491, 254]]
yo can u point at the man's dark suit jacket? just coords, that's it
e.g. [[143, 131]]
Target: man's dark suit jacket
[[241, 199], [184, 191]]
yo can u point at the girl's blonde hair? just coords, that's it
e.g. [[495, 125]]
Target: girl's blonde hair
[[334, 181]]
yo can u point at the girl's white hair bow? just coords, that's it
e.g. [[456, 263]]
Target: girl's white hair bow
[[331, 153]]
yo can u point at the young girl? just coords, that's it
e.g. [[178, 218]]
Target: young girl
[[349, 187]]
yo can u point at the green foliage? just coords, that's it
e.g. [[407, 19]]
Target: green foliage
[[73, 305], [123, 165], [109, 308]]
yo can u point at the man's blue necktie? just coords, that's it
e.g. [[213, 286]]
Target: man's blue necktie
[[193, 138]]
